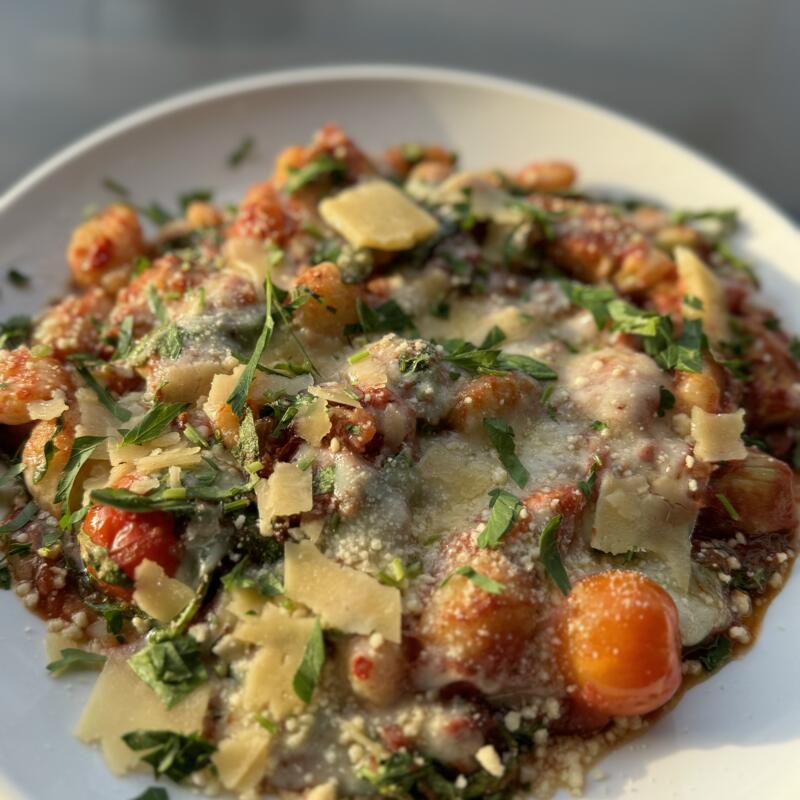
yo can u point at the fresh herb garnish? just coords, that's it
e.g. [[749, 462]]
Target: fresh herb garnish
[[13, 471], [310, 669], [173, 500], [551, 557], [728, 506], [481, 581], [587, 486], [171, 668], [492, 338], [494, 362], [153, 793], [153, 424], [324, 480], [714, 654], [156, 213], [397, 572], [194, 196], [124, 338], [501, 435], [82, 449], [242, 151], [238, 397], [693, 302], [175, 755], [388, 317], [728, 218], [544, 219], [73, 660], [265, 583], [15, 330], [321, 166], [504, 510], [102, 394], [666, 400], [48, 451], [598, 425], [246, 449], [17, 279], [722, 249], [115, 187]]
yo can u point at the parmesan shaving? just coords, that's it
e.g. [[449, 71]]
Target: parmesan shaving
[[48, 409], [158, 595], [378, 214], [718, 437], [345, 598], [287, 491], [699, 281], [182, 455], [312, 422], [221, 387], [335, 394], [242, 758], [121, 703], [368, 372]]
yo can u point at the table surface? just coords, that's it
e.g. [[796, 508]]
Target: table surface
[[719, 74]]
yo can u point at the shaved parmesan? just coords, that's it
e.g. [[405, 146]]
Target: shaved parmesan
[[48, 409], [718, 437], [182, 455], [344, 598], [242, 758], [184, 380], [121, 703], [245, 602], [631, 516], [336, 394], [287, 491], [268, 684], [312, 422], [699, 281], [221, 387], [378, 214], [158, 595], [368, 372], [96, 421]]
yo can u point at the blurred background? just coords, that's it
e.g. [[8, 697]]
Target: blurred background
[[722, 75]]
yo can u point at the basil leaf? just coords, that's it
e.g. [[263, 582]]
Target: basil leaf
[[175, 755], [73, 659], [172, 668], [322, 165], [106, 400], [238, 397], [307, 675], [82, 449], [481, 581], [504, 512], [501, 435], [154, 422], [22, 518], [265, 583], [244, 149], [492, 338], [551, 557]]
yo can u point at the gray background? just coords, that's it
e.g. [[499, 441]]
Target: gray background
[[722, 75]]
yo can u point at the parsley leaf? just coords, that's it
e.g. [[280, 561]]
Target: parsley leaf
[[504, 512], [242, 151], [594, 299], [587, 486], [175, 755], [599, 425], [666, 400], [307, 675], [492, 338], [115, 187], [22, 518], [388, 317], [530, 366], [714, 654], [481, 581], [154, 422], [124, 338], [470, 358], [103, 396], [82, 449], [171, 668], [73, 659], [722, 249], [322, 165], [185, 199], [551, 557], [265, 583], [238, 397], [501, 435]]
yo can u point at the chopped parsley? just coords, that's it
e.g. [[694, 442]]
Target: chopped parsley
[[492, 338], [714, 654], [666, 401], [73, 660], [310, 669], [481, 581], [388, 317], [587, 486], [501, 435], [397, 572], [176, 755], [599, 425], [15, 330], [115, 187], [185, 199], [242, 151], [321, 166], [504, 510], [17, 279], [171, 668], [551, 557], [102, 394]]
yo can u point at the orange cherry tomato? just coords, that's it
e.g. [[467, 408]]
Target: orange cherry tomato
[[621, 643], [130, 537]]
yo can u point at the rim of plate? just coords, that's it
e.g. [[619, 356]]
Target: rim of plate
[[355, 72]]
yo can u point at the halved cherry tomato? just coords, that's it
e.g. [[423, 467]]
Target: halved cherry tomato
[[622, 645]]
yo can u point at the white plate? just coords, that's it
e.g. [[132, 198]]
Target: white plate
[[736, 735]]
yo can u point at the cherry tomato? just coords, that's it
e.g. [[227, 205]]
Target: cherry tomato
[[622, 645], [130, 537]]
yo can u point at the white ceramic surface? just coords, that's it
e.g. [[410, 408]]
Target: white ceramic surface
[[735, 736]]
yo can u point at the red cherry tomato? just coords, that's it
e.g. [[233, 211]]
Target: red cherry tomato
[[130, 537], [622, 643]]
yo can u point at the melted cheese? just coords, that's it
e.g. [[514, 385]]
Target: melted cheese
[[344, 598]]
